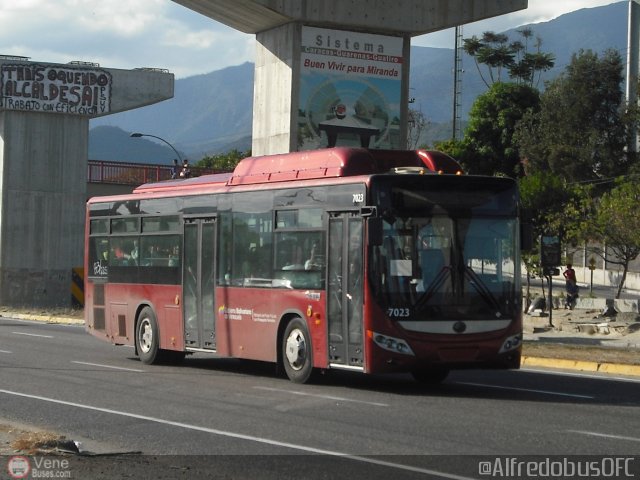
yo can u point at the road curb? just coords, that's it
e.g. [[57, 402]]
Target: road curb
[[582, 365], [43, 318]]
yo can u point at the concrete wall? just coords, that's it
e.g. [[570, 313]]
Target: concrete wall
[[608, 278], [42, 197]]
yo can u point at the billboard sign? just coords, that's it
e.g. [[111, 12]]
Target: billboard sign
[[55, 89], [550, 251], [350, 89]]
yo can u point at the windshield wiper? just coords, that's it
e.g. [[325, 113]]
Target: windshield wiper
[[482, 290], [433, 287]]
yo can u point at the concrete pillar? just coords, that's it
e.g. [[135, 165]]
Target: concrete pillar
[[275, 91], [44, 132], [41, 206]]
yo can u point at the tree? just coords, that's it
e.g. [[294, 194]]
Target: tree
[[488, 147], [496, 53], [527, 66], [556, 208], [492, 50], [579, 131], [416, 125], [225, 162], [617, 226], [452, 147]]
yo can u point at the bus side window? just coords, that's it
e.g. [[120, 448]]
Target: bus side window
[[160, 251], [300, 259], [123, 251], [245, 248]]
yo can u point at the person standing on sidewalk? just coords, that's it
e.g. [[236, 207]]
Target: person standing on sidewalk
[[571, 287], [175, 170]]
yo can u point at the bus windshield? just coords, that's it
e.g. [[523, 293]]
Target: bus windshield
[[447, 253]]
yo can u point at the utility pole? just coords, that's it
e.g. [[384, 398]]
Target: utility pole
[[633, 65], [457, 82]]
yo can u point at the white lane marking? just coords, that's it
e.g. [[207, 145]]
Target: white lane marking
[[32, 335], [5, 351], [601, 376], [325, 397], [546, 392], [242, 436], [606, 435], [108, 366]]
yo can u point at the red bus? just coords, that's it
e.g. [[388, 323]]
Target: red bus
[[343, 258]]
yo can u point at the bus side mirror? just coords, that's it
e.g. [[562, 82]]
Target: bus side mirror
[[375, 231], [526, 237]]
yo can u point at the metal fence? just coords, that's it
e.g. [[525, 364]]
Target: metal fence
[[134, 173]]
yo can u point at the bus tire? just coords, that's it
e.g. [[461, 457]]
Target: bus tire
[[296, 351], [430, 376], [147, 337]]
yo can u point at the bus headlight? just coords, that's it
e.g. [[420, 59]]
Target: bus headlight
[[511, 343], [392, 344]]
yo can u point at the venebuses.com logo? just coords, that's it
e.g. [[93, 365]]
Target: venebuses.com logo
[[18, 467]]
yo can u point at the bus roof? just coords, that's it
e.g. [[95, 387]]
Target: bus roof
[[316, 164]]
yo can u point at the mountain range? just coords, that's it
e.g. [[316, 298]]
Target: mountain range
[[212, 113]]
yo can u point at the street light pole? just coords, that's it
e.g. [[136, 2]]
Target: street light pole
[[138, 135]]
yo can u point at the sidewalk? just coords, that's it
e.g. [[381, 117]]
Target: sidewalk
[[66, 316], [583, 339]]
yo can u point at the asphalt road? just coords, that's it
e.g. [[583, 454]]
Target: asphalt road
[[238, 419]]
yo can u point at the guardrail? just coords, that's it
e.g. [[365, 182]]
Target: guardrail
[[99, 171]]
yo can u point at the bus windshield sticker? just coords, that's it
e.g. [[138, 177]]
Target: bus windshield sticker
[[401, 268]]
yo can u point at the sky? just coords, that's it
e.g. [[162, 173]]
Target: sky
[[129, 34]]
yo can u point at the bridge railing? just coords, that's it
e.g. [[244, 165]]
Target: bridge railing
[[99, 171]]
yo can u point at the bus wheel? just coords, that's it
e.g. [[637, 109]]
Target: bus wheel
[[147, 340], [430, 376], [296, 351]]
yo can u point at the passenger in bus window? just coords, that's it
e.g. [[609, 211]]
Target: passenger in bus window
[[313, 263], [133, 256], [117, 254]]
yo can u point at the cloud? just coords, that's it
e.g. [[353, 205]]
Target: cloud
[[121, 34], [537, 11]]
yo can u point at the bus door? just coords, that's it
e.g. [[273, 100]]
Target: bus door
[[344, 289], [198, 283]]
